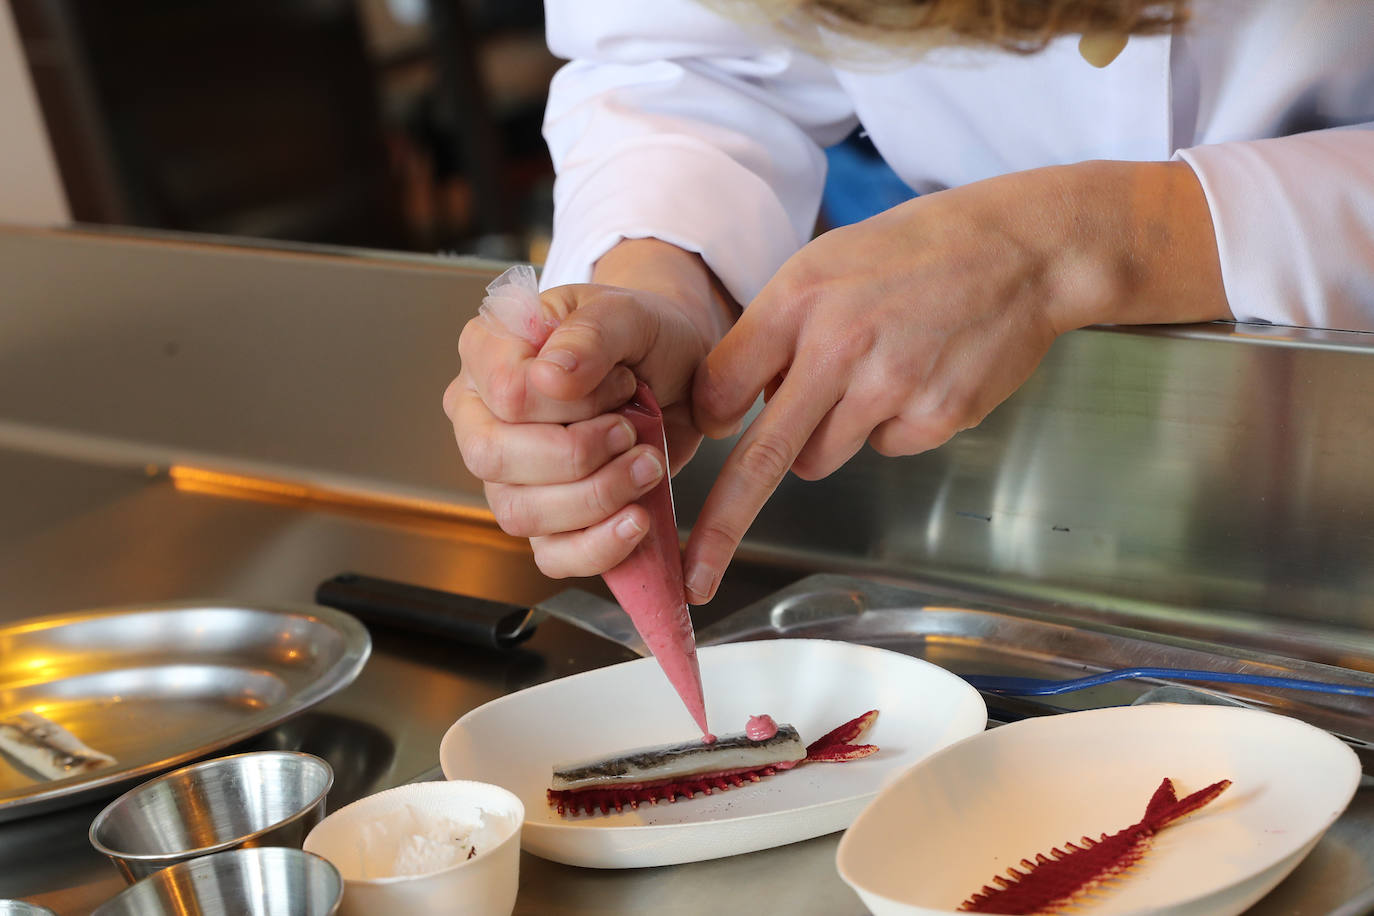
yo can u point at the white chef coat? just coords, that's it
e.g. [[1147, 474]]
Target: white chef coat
[[674, 123]]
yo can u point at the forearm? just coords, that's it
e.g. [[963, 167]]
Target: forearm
[[681, 276], [1131, 243]]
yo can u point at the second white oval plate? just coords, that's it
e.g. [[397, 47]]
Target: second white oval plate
[[813, 684], [943, 829]]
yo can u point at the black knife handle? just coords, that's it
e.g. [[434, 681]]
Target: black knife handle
[[474, 621]]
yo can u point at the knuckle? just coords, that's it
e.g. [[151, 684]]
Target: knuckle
[[711, 391], [583, 332], [452, 394], [601, 498], [718, 538], [582, 451], [712, 396], [806, 268], [511, 509], [873, 403], [797, 286], [892, 443], [482, 454], [938, 417], [951, 416], [550, 561], [766, 459], [593, 557], [583, 553], [467, 343], [905, 436], [851, 348], [505, 395]]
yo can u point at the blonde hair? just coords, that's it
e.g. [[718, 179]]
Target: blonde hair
[[911, 26]]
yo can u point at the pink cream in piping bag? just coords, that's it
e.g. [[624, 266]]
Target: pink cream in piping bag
[[648, 583]]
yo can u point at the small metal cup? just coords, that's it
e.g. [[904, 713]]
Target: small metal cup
[[262, 798], [261, 881], [22, 908]]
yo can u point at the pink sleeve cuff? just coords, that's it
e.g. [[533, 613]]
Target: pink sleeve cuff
[[1294, 220]]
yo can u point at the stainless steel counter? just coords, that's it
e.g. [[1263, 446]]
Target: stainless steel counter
[[1210, 480], [78, 535], [106, 535]]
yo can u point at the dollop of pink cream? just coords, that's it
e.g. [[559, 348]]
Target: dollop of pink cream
[[760, 728], [708, 738]]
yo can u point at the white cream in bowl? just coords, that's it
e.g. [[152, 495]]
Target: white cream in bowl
[[429, 847]]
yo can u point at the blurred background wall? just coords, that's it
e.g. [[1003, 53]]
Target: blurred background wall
[[354, 122], [394, 124], [30, 188]]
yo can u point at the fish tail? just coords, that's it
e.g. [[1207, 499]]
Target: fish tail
[[1165, 806]]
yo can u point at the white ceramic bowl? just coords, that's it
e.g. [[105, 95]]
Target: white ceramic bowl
[[944, 828], [484, 885]]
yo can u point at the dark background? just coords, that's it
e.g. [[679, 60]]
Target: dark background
[[410, 125]]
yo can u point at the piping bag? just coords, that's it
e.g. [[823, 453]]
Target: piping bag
[[648, 583]]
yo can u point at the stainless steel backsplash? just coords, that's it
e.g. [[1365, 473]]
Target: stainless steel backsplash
[[1204, 468], [1159, 472]]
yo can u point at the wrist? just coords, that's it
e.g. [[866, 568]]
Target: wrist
[[1133, 243], [674, 273]]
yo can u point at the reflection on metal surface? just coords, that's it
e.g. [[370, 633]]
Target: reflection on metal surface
[[1162, 476], [154, 686], [974, 638], [358, 753], [374, 505]]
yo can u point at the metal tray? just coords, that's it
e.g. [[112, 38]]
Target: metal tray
[[977, 638], [159, 685]]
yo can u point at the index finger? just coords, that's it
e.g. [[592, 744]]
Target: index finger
[[752, 471], [747, 360]]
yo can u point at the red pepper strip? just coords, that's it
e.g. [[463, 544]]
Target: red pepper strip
[[1052, 882], [838, 744]]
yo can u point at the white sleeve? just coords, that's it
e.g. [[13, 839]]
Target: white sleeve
[[671, 122], [1294, 219]]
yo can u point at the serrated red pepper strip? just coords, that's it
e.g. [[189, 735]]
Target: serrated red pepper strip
[[837, 745], [1055, 881]]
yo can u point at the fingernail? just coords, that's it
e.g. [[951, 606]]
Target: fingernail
[[563, 359], [645, 470], [699, 580], [621, 437], [628, 529]]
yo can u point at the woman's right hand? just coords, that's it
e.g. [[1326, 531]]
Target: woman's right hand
[[537, 425]]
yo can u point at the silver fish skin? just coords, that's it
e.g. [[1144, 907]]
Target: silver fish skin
[[47, 748], [680, 760]]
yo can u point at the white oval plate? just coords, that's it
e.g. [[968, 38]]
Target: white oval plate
[[813, 684], [948, 825]]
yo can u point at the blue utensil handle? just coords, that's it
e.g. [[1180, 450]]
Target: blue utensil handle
[[1044, 687]]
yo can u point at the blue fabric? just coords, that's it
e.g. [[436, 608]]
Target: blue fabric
[[859, 184]]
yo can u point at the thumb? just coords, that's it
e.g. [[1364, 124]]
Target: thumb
[[604, 327]]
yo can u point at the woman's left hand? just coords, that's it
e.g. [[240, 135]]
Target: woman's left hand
[[904, 329]]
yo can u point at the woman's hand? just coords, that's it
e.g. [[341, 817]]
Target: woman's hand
[[535, 424], [904, 329]]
